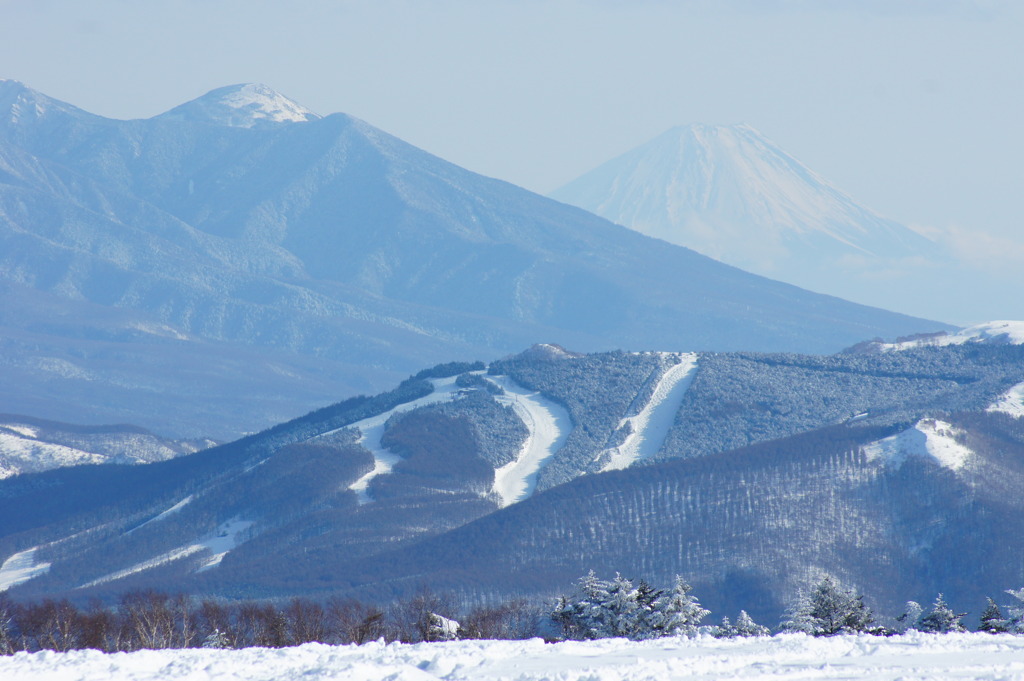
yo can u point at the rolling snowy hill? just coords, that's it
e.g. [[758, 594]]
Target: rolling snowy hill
[[240, 260], [730, 193], [33, 445], [749, 473]]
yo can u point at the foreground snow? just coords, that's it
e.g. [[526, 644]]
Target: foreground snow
[[913, 656]]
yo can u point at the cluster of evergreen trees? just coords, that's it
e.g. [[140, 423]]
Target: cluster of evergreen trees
[[602, 609], [617, 608], [830, 609], [608, 609]]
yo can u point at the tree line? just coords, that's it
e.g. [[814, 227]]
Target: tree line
[[596, 608], [155, 620]]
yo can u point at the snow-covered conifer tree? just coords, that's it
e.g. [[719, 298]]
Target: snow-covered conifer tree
[[910, 617], [941, 619], [1016, 612], [829, 610], [676, 612], [992, 619], [581, 614], [797, 617], [746, 626], [724, 630]]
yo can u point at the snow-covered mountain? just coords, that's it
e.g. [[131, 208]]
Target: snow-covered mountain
[[30, 445], [749, 473], [244, 106], [239, 260], [730, 193]]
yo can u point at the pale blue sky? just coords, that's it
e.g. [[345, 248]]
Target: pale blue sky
[[913, 107]]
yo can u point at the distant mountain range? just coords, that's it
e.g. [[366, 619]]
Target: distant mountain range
[[239, 260], [730, 193], [752, 474]]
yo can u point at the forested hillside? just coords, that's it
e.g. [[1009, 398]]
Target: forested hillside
[[892, 471]]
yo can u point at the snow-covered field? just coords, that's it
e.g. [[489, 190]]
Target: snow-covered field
[[791, 656]]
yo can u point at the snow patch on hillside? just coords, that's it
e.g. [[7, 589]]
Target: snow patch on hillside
[[21, 567], [978, 656], [372, 430], [929, 438], [1011, 402], [548, 423], [649, 428]]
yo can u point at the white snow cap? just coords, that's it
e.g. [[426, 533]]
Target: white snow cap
[[242, 106]]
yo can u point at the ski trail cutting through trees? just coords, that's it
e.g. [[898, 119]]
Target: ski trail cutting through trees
[[1011, 402], [219, 544], [372, 430], [548, 424], [650, 427]]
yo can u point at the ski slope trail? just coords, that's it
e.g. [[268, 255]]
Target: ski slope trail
[[218, 544], [372, 430], [650, 427], [21, 567], [548, 423]]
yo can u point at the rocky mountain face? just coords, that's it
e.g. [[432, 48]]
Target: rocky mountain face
[[748, 473], [730, 193], [240, 260]]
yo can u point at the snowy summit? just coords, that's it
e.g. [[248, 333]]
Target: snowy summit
[[728, 192], [242, 106]]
